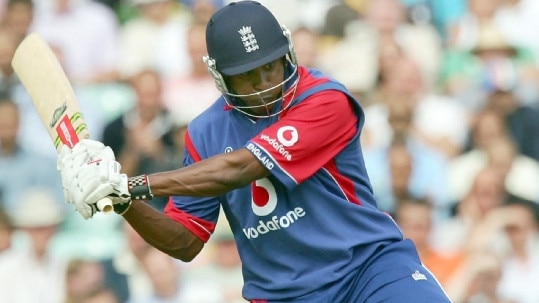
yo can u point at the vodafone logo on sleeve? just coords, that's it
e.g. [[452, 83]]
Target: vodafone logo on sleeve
[[287, 135]]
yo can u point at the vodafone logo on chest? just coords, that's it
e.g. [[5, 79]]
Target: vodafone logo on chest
[[264, 198], [264, 201]]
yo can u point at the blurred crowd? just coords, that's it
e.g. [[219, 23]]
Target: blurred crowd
[[450, 89]]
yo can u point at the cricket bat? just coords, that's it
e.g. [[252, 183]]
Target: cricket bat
[[42, 76]]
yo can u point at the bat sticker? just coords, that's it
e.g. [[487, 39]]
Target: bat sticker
[[67, 133], [58, 114]]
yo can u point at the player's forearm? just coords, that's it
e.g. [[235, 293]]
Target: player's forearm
[[162, 232], [211, 177]]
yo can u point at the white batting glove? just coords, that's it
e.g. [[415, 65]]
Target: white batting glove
[[82, 151], [89, 173], [68, 160]]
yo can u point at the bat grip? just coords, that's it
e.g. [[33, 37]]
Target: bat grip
[[105, 206]]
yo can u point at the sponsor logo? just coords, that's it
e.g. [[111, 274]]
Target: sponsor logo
[[66, 133], [264, 197], [278, 147], [287, 135], [68, 129], [418, 276], [94, 161], [275, 223], [263, 203], [58, 113]]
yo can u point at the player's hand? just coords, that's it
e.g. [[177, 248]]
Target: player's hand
[[89, 173], [67, 161]]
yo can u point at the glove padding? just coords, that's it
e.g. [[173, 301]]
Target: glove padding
[[90, 172]]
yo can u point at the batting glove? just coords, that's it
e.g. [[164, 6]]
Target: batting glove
[[89, 173], [68, 160]]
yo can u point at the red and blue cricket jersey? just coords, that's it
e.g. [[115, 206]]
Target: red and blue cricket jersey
[[314, 220]]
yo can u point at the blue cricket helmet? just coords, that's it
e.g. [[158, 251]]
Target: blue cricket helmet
[[243, 36]]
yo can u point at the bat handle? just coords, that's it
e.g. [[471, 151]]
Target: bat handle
[[105, 206]]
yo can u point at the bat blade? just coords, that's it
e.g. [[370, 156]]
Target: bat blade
[[41, 74]]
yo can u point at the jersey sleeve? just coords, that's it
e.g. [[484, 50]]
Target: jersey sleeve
[[307, 137], [198, 214]]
